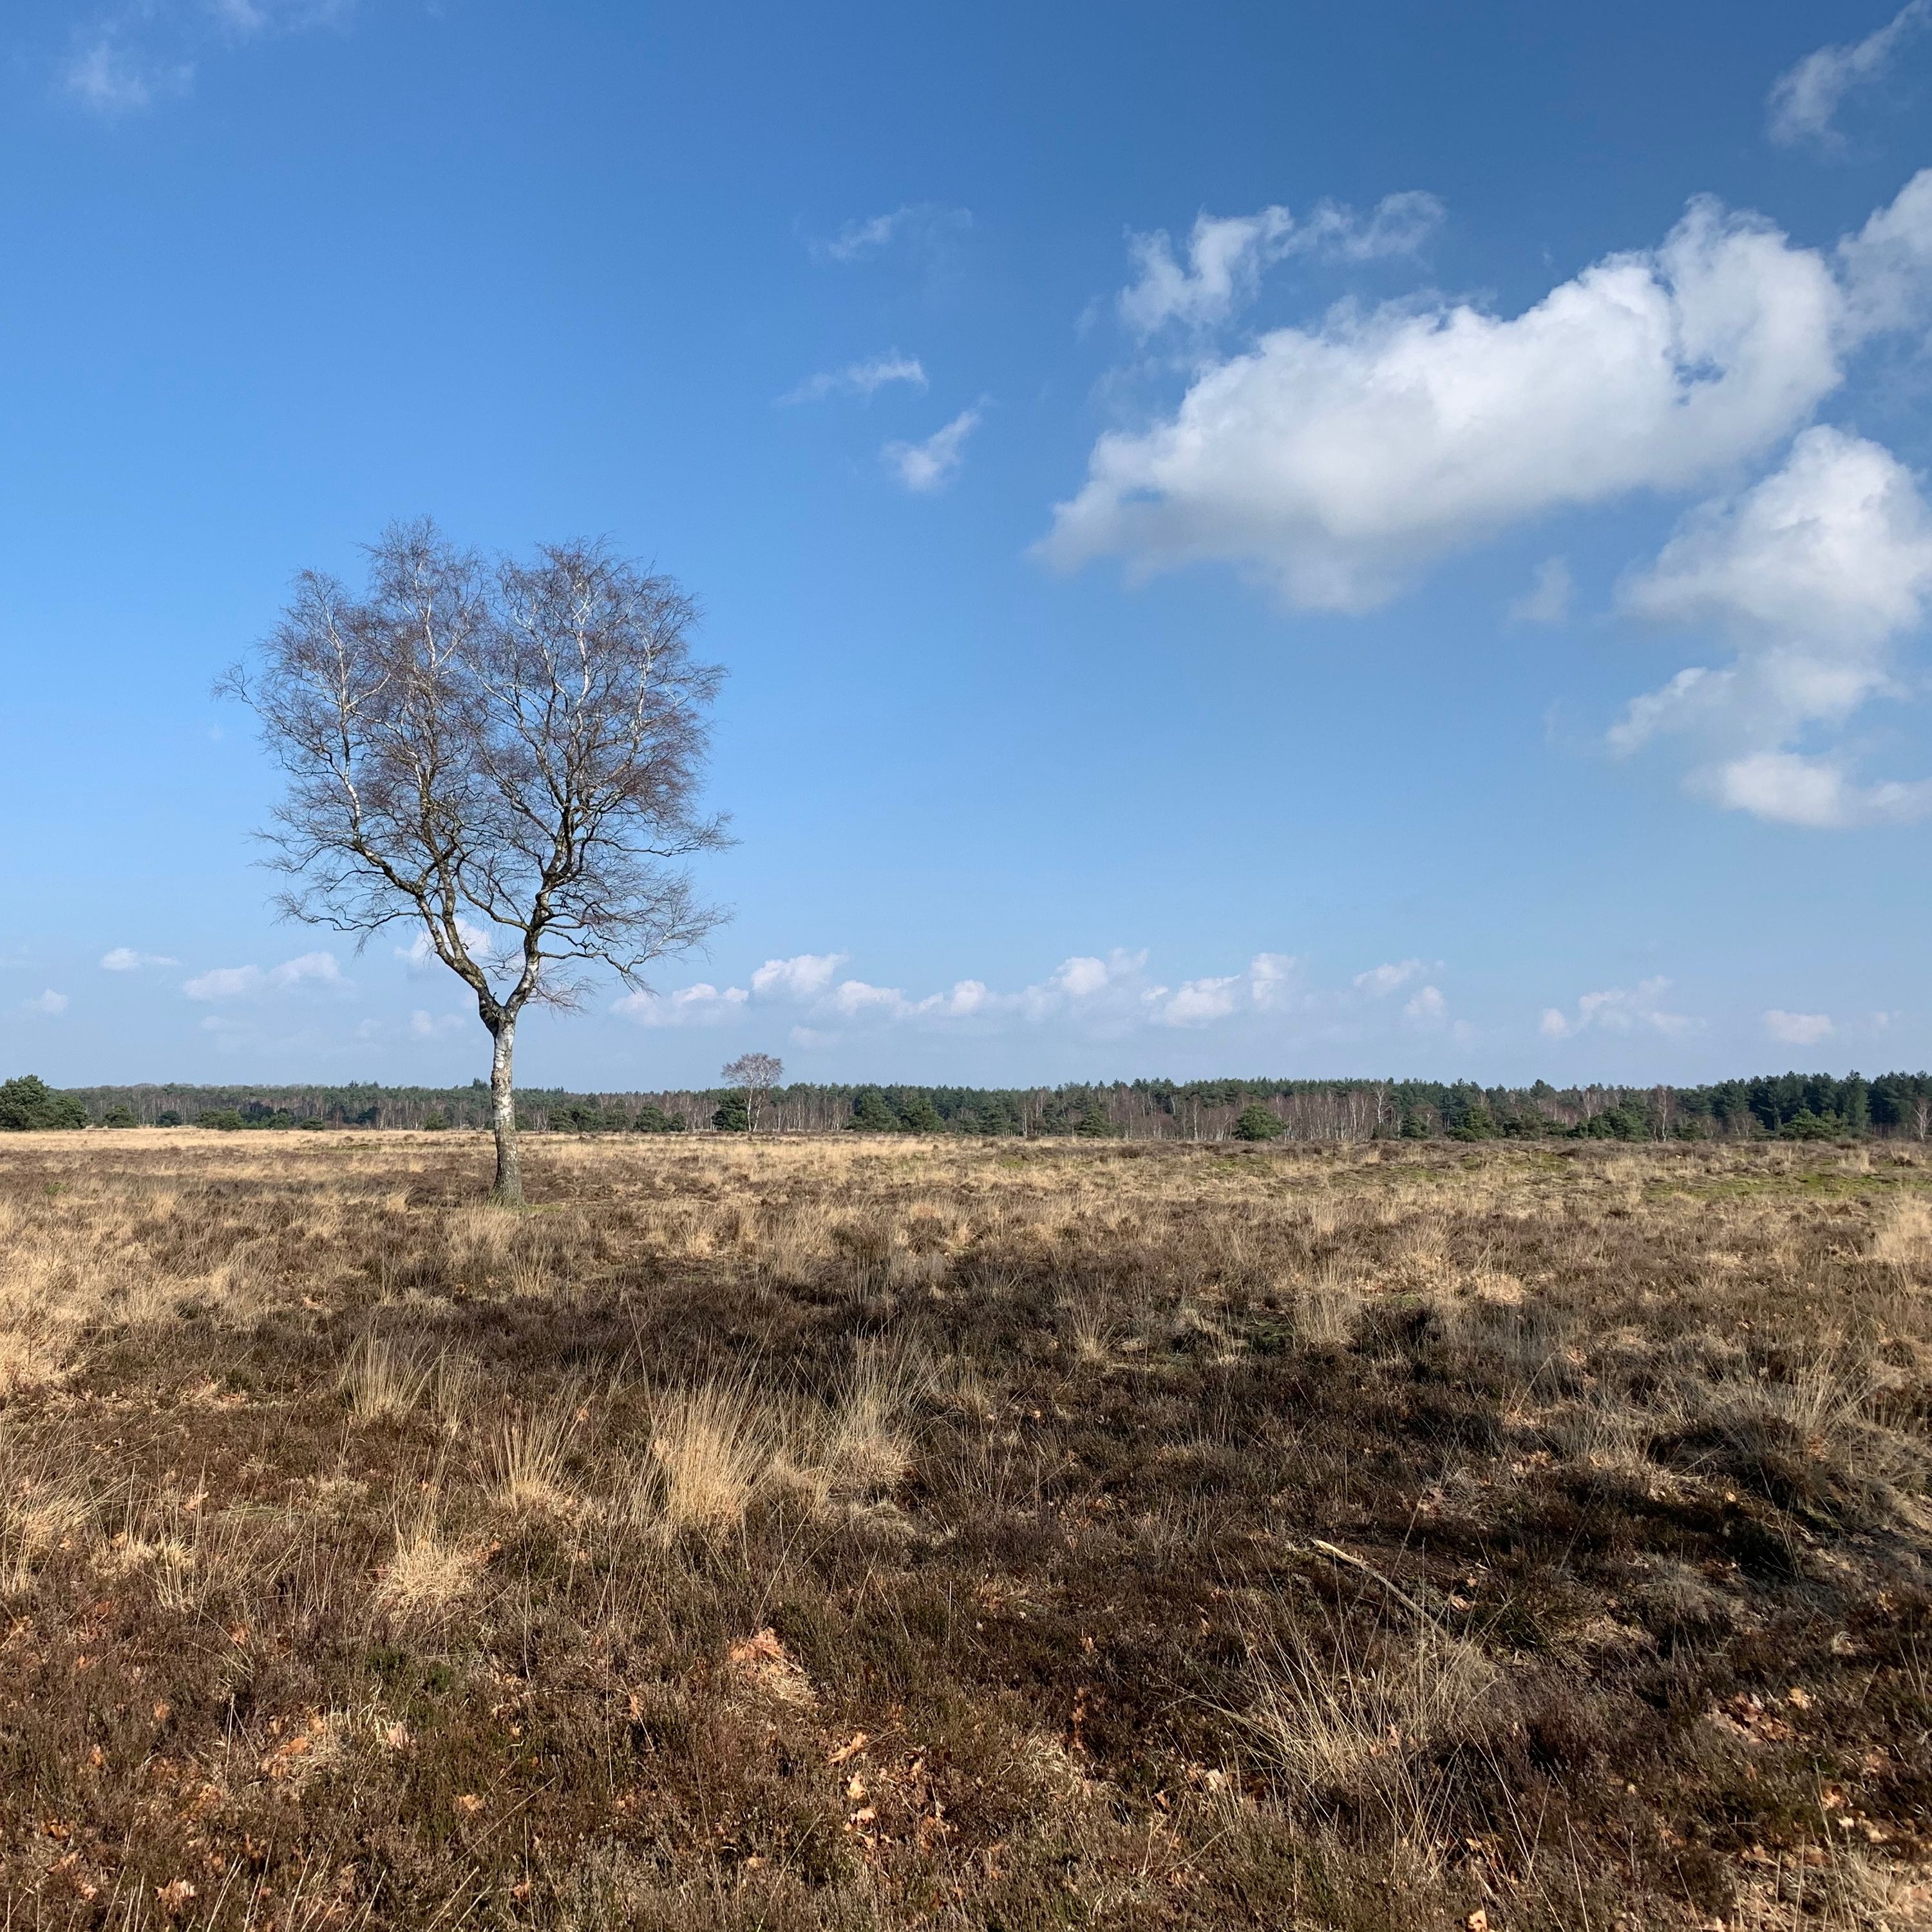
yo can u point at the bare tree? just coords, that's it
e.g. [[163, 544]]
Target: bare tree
[[757, 1073], [505, 756]]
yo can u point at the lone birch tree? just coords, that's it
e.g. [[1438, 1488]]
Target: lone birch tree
[[757, 1073], [505, 757]]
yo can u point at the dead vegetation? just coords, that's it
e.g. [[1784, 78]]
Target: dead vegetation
[[876, 1534]]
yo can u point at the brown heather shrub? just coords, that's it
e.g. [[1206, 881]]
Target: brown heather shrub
[[876, 1534]]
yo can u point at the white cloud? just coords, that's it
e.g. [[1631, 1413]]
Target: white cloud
[[1338, 461], [1080, 978], [226, 983], [924, 467], [1804, 101], [1198, 1001], [1274, 981], [701, 1005], [432, 1026], [49, 1005], [108, 77], [246, 982], [1428, 1008], [1812, 575], [246, 19], [1620, 1010], [800, 977], [1105, 996], [1789, 789], [127, 58], [1548, 599], [1886, 268], [126, 959], [924, 222], [860, 379], [420, 955], [1227, 255], [1379, 981], [1798, 1029], [850, 997]]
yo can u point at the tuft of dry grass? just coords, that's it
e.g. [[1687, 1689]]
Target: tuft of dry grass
[[530, 1453], [1360, 1724], [429, 1573], [711, 1446], [380, 1381]]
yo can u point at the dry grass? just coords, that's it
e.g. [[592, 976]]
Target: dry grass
[[881, 1534], [711, 1446]]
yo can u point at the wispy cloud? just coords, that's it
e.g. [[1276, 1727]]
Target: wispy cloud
[[127, 58], [420, 956], [1804, 101], [1428, 1007], [924, 467], [48, 1005], [249, 982], [1620, 1009], [701, 1005], [858, 379], [1798, 1029], [1226, 256], [924, 222], [1548, 599], [110, 75], [127, 959], [1379, 981]]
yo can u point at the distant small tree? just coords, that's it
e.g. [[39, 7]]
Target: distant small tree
[[120, 1115], [918, 1115], [733, 1115], [504, 756], [1255, 1122], [655, 1120], [225, 1118], [757, 1073], [28, 1105], [167, 1117]]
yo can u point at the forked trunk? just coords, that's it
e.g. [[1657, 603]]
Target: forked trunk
[[508, 1191]]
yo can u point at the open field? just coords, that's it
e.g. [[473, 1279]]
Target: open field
[[883, 1533]]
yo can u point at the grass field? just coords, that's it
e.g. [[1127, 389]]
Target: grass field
[[884, 1533]]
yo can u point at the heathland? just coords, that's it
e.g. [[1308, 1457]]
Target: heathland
[[880, 1532]]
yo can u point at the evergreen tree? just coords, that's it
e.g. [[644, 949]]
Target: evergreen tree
[[29, 1105], [872, 1113]]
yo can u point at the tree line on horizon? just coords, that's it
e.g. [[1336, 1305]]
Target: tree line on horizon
[[1791, 1106]]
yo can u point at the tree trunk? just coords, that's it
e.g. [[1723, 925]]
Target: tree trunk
[[508, 1191]]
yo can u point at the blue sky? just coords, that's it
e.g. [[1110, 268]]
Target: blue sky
[[1301, 539]]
